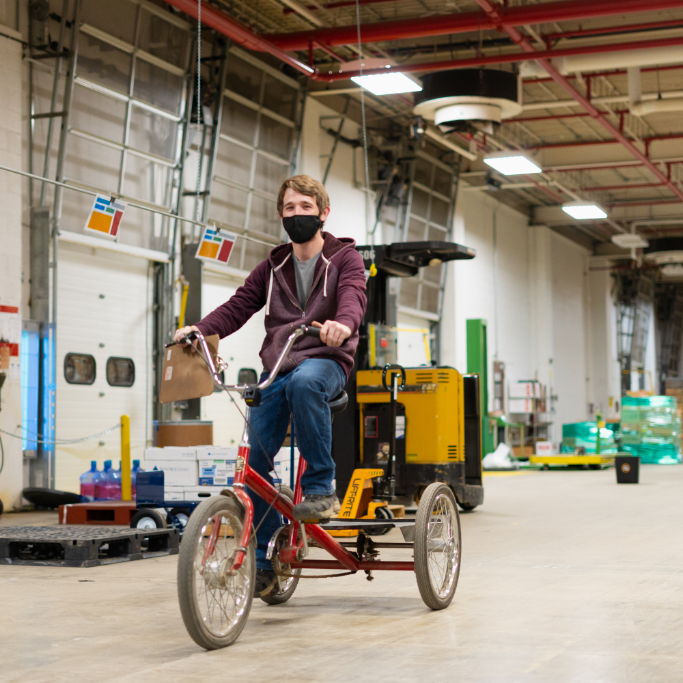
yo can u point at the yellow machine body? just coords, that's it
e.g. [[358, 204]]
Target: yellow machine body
[[435, 416], [358, 503]]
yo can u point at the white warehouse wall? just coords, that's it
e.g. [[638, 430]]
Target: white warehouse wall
[[12, 311], [531, 285], [494, 286]]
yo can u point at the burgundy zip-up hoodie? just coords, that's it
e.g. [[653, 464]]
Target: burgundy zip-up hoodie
[[337, 293]]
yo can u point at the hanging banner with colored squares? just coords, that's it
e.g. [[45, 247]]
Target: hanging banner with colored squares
[[216, 246], [105, 217]]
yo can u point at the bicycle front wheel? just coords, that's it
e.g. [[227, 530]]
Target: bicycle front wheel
[[214, 601]]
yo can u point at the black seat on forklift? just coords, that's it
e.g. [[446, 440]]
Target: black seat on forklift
[[338, 403]]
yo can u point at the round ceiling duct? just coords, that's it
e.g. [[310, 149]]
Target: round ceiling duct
[[468, 100], [664, 250]]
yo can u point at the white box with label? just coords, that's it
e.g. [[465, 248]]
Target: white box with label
[[216, 452], [520, 405], [171, 453], [176, 472], [216, 472], [544, 448]]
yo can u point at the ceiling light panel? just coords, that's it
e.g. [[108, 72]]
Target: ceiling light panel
[[512, 164], [584, 211], [387, 84]]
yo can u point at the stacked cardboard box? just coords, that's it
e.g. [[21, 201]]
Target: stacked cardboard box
[[651, 428], [196, 472]]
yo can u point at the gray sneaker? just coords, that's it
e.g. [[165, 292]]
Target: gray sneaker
[[316, 507]]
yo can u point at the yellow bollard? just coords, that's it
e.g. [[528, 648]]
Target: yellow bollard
[[126, 486]]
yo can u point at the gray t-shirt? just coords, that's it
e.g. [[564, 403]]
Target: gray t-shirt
[[304, 271]]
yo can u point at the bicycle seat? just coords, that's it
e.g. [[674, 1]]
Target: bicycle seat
[[338, 403]]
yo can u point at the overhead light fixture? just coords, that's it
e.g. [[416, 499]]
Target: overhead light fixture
[[629, 240], [387, 84], [584, 211], [392, 83], [512, 163]]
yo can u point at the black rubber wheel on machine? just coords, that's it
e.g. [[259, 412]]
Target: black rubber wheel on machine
[[182, 515], [214, 604], [285, 587], [437, 546], [382, 513], [466, 507], [146, 518]]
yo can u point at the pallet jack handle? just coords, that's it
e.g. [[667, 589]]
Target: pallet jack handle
[[394, 372]]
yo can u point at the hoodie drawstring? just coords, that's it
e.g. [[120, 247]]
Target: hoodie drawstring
[[270, 286], [327, 266]]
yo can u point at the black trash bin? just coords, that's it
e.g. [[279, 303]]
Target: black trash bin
[[628, 468]]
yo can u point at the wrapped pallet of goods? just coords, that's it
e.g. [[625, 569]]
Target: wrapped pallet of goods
[[651, 428], [585, 435]]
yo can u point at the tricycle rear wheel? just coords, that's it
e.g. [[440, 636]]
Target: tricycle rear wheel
[[437, 546]]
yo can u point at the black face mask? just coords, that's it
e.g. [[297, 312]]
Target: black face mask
[[301, 228]]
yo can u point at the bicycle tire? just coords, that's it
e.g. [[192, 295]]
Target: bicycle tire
[[438, 546], [215, 607]]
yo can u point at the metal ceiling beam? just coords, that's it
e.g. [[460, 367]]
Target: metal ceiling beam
[[493, 12], [440, 25], [604, 30], [220, 22], [610, 73], [607, 165], [483, 60], [593, 143]]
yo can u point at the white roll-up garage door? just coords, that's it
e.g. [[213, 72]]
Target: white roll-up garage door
[[104, 311]]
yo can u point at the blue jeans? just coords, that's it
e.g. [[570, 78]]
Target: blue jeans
[[302, 393]]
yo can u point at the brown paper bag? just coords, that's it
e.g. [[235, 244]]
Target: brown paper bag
[[185, 374]]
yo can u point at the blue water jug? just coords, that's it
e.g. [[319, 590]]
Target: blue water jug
[[88, 480], [133, 477], [102, 485]]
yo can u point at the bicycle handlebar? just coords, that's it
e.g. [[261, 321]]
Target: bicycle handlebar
[[241, 388]]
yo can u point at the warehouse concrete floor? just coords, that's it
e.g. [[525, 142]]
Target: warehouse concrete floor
[[566, 577]]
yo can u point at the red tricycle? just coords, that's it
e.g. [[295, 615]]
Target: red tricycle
[[217, 564]]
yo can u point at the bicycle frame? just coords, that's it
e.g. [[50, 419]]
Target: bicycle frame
[[294, 553]]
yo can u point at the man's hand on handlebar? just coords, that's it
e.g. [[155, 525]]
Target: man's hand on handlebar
[[180, 334], [333, 333]]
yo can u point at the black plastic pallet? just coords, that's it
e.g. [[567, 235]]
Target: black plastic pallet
[[83, 546]]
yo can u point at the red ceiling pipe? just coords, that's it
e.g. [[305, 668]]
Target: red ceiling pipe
[[493, 12], [241, 35], [593, 143], [613, 72], [482, 60], [612, 188], [630, 28], [567, 10], [335, 5], [602, 167], [554, 117], [648, 202]]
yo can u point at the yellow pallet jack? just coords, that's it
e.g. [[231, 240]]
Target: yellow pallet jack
[[358, 502]]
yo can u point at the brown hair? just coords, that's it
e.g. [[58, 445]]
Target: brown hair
[[303, 184]]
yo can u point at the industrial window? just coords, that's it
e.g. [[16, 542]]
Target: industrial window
[[261, 118], [428, 217], [120, 372], [126, 115], [247, 376], [79, 368]]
